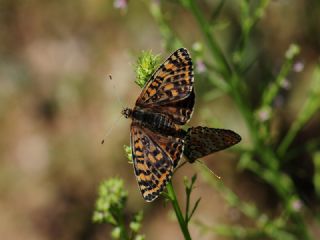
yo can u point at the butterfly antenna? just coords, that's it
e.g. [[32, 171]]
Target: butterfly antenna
[[206, 167], [115, 92], [114, 124]]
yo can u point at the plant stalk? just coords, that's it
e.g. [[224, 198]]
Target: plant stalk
[[177, 210]]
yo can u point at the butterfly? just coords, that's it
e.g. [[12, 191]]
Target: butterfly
[[157, 139]]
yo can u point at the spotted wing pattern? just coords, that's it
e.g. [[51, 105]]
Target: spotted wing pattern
[[180, 111], [170, 88], [202, 141], [154, 158]]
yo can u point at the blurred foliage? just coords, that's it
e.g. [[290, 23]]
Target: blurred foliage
[[257, 72], [146, 64], [109, 208]]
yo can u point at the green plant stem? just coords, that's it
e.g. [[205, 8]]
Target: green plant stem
[[273, 90], [228, 72], [172, 42], [223, 65], [177, 210], [269, 158], [121, 225], [235, 83]]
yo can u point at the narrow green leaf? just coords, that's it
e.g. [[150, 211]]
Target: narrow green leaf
[[194, 209]]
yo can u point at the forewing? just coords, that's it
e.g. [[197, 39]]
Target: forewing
[[154, 158], [171, 82], [202, 141]]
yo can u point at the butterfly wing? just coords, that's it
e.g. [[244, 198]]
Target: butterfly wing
[[154, 158], [202, 141], [179, 111], [170, 88]]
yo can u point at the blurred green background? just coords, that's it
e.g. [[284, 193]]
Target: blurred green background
[[56, 103]]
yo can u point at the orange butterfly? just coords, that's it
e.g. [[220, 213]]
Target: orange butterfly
[[157, 140]]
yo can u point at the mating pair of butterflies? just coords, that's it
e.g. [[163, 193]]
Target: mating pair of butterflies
[[157, 139]]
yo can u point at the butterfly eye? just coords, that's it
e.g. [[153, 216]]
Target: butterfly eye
[[126, 112]]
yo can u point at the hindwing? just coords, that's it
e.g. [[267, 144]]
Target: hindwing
[[202, 141], [154, 159]]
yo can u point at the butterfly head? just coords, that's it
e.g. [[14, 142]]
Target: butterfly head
[[127, 112]]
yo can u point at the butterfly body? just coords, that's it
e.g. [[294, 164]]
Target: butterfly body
[[157, 122]]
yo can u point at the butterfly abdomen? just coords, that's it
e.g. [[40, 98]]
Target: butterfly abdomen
[[154, 121]]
